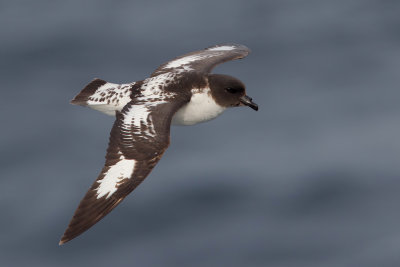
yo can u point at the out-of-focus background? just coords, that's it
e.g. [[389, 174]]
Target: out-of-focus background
[[312, 179]]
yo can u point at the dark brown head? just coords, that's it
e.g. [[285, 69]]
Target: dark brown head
[[228, 91]]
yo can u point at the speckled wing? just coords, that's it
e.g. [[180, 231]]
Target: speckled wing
[[204, 60], [138, 139]]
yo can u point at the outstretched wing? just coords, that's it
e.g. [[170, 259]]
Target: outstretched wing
[[138, 139], [204, 60]]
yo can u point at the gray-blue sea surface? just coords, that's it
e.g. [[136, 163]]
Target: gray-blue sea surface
[[311, 179]]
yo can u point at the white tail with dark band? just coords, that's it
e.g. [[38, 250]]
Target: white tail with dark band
[[104, 96]]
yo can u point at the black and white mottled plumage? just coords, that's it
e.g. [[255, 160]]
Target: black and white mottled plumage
[[181, 91]]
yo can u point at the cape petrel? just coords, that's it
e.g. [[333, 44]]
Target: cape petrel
[[181, 91]]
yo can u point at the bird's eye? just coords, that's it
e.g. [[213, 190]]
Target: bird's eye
[[234, 90]]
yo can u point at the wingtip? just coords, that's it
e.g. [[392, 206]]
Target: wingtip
[[64, 239]]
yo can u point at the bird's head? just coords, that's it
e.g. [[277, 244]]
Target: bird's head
[[229, 91]]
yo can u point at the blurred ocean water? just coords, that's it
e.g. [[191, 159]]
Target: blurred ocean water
[[311, 179]]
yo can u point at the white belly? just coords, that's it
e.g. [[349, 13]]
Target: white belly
[[201, 108]]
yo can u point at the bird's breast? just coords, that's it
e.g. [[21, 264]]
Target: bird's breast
[[201, 108]]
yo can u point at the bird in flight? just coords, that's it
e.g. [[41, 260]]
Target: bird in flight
[[182, 92]]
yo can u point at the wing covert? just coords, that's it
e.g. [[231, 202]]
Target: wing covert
[[204, 60]]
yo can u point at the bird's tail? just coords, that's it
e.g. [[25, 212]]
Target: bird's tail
[[104, 96]]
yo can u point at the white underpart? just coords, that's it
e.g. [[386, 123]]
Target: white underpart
[[221, 48], [122, 93], [123, 169], [201, 108]]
